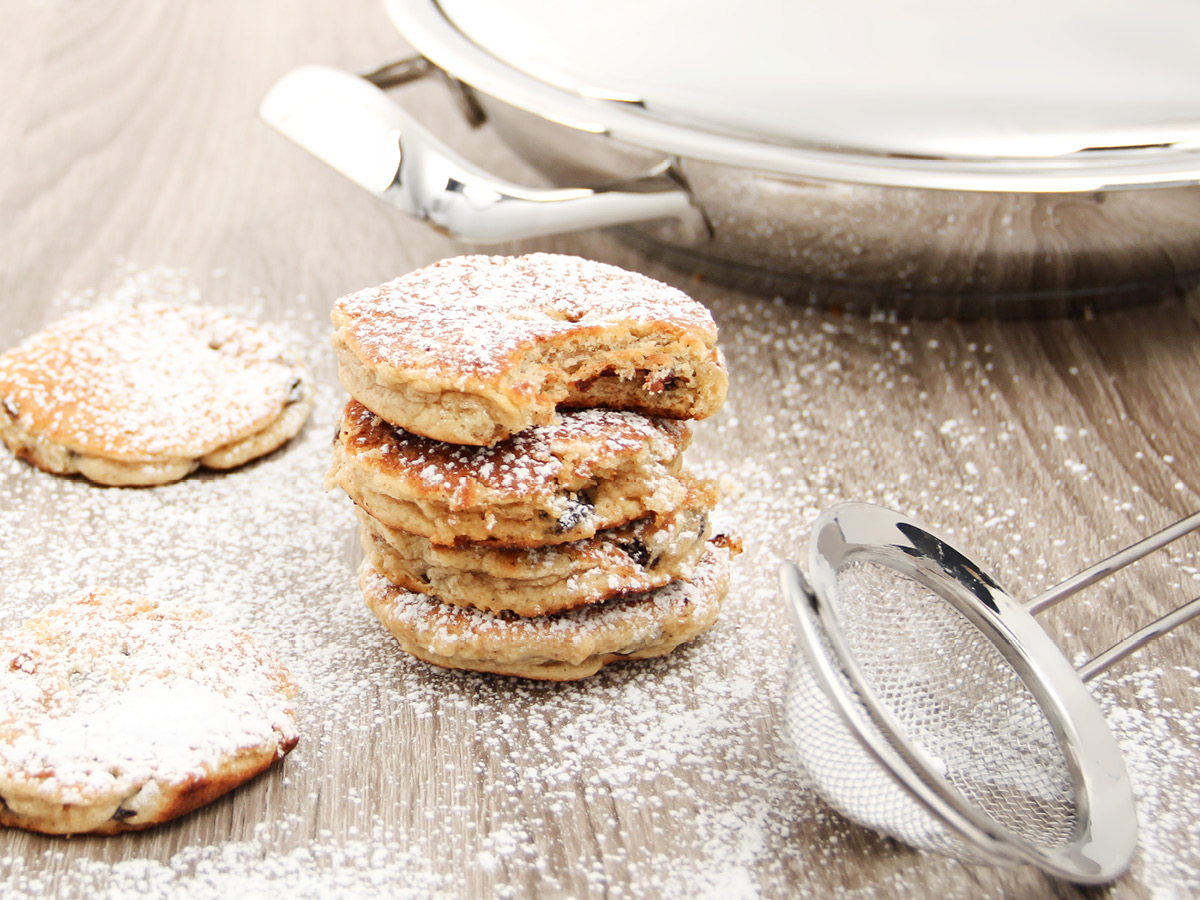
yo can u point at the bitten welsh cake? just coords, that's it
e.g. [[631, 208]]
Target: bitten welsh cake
[[473, 349]]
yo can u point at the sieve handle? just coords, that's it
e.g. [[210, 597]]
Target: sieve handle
[[1138, 639], [1106, 567]]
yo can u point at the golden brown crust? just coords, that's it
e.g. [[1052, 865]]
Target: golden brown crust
[[634, 558], [118, 713], [185, 798], [591, 469], [139, 395], [473, 349], [560, 647]]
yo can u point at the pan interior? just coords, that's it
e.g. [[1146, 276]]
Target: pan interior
[[1018, 80]]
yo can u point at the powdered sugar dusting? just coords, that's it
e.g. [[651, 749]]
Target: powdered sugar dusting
[[102, 694], [620, 625], [147, 381], [659, 779], [472, 314], [578, 444]]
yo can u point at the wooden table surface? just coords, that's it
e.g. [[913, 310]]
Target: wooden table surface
[[133, 166]]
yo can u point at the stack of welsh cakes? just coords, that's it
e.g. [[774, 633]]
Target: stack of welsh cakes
[[514, 446]]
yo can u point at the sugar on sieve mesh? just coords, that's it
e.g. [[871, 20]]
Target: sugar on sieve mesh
[[929, 705]]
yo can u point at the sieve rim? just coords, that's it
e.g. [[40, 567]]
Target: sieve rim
[[1106, 840]]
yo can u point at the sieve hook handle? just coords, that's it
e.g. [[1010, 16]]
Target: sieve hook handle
[[1106, 567], [1138, 639]]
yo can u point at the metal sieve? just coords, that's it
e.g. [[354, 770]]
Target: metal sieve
[[929, 705]]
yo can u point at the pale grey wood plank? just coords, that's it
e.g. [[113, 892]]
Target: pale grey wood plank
[[129, 141]]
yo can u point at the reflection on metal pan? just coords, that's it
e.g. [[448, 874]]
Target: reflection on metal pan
[[968, 163]]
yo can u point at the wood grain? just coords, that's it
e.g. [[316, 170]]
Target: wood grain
[[129, 142]]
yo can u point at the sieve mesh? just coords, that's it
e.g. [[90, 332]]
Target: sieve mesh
[[958, 698], [849, 777]]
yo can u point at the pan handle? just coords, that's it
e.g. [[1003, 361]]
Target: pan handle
[[435, 185], [355, 127]]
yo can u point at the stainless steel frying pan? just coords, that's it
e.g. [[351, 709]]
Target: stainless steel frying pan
[[1017, 158]]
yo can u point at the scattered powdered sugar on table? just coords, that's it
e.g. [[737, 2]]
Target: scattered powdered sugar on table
[[1159, 742], [667, 778]]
